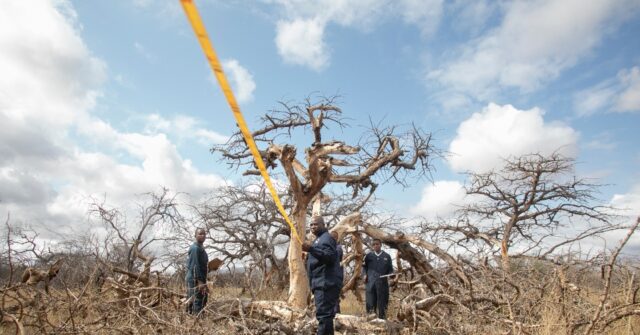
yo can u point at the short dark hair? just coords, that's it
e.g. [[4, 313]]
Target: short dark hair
[[317, 219], [199, 229], [376, 239]]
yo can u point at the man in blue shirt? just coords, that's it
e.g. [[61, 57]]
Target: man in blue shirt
[[196, 277], [323, 281], [377, 264]]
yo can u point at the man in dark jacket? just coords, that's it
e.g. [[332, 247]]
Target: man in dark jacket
[[377, 264], [196, 277], [339, 269], [323, 281]]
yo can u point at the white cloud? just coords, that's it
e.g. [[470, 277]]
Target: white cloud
[[629, 202], [594, 99], [241, 80], [46, 175], [300, 34], [619, 94], [499, 132], [21, 187], [472, 15], [361, 14], [533, 44], [424, 14], [161, 164], [182, 127], [66, 77], [440, 199], [208, 137], [629, 98], [301, 42]]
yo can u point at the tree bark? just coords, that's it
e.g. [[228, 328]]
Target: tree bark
[[504, 245], [298, 282]]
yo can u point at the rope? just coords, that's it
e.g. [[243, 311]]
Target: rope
[[198, 28]]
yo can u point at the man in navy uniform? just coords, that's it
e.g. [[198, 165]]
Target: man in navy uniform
[[377, 264], [196, 277], [323, 281], [338, 268]]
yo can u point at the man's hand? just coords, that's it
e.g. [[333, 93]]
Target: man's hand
[[202, 287], [306, 246]]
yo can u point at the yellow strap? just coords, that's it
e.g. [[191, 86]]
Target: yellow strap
[[198, 28]]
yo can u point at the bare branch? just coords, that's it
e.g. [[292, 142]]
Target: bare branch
[[607, 278]]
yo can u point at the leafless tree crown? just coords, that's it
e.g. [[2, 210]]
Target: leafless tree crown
[[387, 151]]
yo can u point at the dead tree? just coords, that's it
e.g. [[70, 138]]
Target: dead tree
[[383, 152], [526, 202], [243, 226], [127, 240]]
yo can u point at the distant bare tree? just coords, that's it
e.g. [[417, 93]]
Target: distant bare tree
[[386, 152], [526, 202], [245, 227], [128, 240]]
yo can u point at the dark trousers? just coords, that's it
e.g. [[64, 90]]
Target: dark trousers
[[198, 302], [378, 298], [326, 300], [337, 309]]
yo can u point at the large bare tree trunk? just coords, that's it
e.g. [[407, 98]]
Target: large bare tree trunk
[[298, 282]]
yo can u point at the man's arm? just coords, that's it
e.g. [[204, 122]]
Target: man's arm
[[192, 262], [365, 268], [339, 252], [201, 266], [325, 251], [202, 269], [389, 265]]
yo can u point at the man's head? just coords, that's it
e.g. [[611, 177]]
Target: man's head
[[317, 225], [376, 244], [201, 235]]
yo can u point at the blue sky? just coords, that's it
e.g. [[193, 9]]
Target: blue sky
[[115, 98]]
